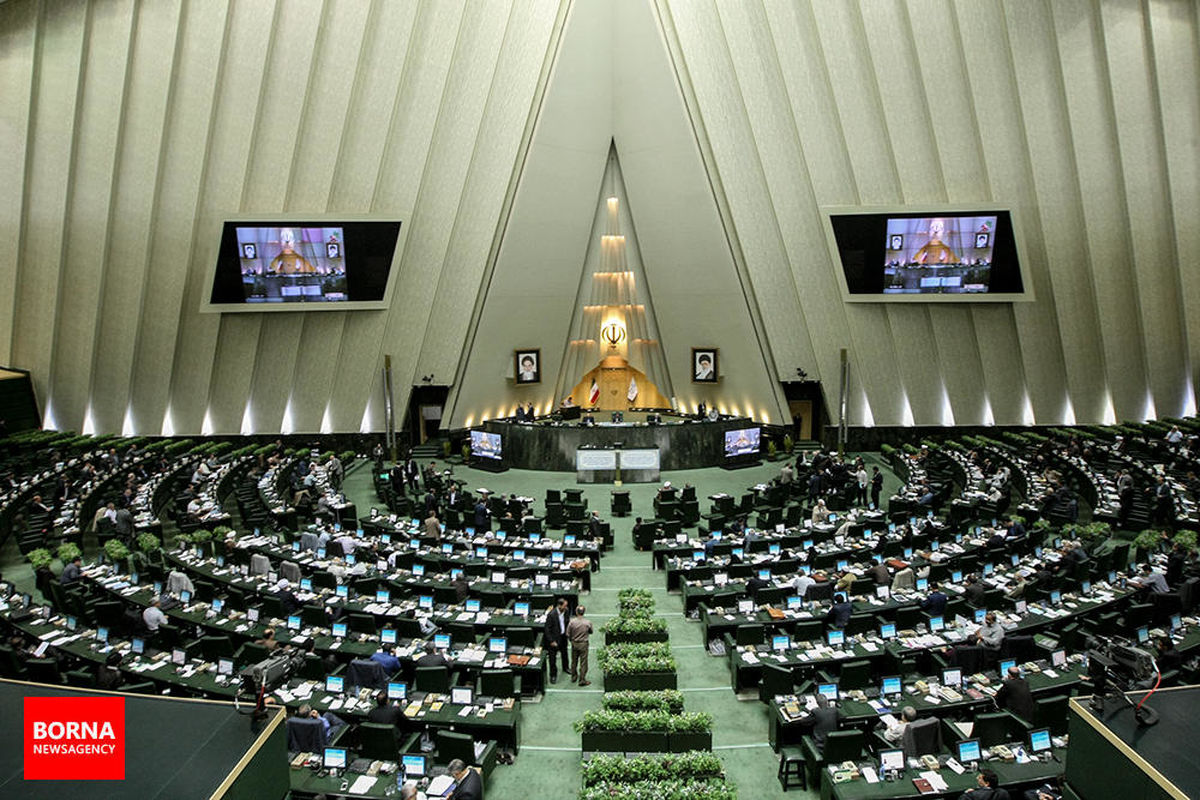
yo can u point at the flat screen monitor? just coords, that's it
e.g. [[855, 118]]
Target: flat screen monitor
[[745, 606], [335, 265], [461, 695], [441, 641], [773, 549], [497, 644], [335, 684], [185, 597], [481, 552], [498, 577], [349, 558], [224, 666], [339, 630], [795, 602], [557, 557], [779, 643], [843, 565], [487, 445], [455, 573], [883, 592], [1143, 635], [1176, 622], [569, 538], [418, 571], [736, 552], [521, 608], [383, 595], [1006, 665], [891, 760], [1085, 587], [541, 579], [988, 569], [342, 591], [447, 548], [952, 678], [1014, 559], [293, 623], [425, 601], [1039, 740], [764, 574], [1020, 606], [138, 646], [72, 623], [697, 555], [518, 555], [388, 636], [397, 691], [335, 758], [936, 624], [922, 584], [414, 766], [887, 630], [1055, 596], [252, 614], [742, 442], [980, 615], [807, 544], [956, 576], [1058, 659], [891, 685], [836, 638], [908, 552], [968, 751], [473, 605], [830, 690]]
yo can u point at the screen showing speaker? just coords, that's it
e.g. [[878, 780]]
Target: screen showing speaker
[[923, 255], [282, 265], [486, 445], [742, 442]]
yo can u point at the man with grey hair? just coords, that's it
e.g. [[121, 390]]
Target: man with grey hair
[[894, 732], [408, 791], [469, 785]]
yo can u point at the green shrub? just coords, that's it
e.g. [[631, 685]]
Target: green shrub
[[40, 558], [67, 552], [116, 551], [148, 542], [635, 624], [660, 790], [202, 535], [636, 658], [1186, 538], [1148, 540], [654, 720], [670, 700], [696, 765]]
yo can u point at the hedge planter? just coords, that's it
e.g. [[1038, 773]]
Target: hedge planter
[[603, 741], [683, 742], [646, 742], [645, 681], [647, 636]]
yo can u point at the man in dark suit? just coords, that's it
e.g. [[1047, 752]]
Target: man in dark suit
[[555, 638], [1015, 695], [483, 521], [469, 787], [988, 788], [824, 718], [291, 603], [935, 602], [595, 526], [839, 613], [975, 591], [432, 657], [879, 573], [385, 713]]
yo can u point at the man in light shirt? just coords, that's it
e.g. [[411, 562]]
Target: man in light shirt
[[802, 582], [153, 616]]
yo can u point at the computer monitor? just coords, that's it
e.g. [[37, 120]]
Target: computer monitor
[[535, 537], [414, 766], [1039, 740], [830, 690], [1037, 551], [891, 685], [891, 760], [887, 630], [935, 545], [342, 591], [293, 623], [1112, 576], [795, 602], [980, 615], [498, 577], [1006, 665], [569, 539], [72, 623], [1085, 587], [425, 601], [1143, 635], [968, 751], [481, 552], [557, 557], [339, 630], [542, 579], [1176, 622], [745, 606], [455, 573], [764, 574], [736, 552], [807, 544], [252, 615], [178, 657], [836, 638], [295, 547], [461, 695], [1020, 606], [518, 555], [773, 549], [1058, 659], [842, 565], [335, 684], [388, 636], [498, 644], [521, 608], [781, 642], [397, 691], [349, 558], [1014, 559], [102, 635], [956, 576], [138, 646], [335, 758], [936, 624], [218, 605], [224, 666], [883, 592], [441, 641], [473, 605], [697, 555], [908, 552], [952, 677], [383, 595], [447, 548], [922, 584], [185, 597], [988, 569], [418, 571], [1055, 596]]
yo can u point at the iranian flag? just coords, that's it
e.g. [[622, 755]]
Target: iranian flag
[[594, 394]]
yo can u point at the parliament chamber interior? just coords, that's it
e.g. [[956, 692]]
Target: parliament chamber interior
[[652, 399]]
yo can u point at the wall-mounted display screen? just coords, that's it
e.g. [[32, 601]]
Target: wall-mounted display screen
[[742, 442], [283, 265], [486, 445], [927, 255]]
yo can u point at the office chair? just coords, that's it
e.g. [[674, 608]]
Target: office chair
[[922, 737], [366, 673], [376, 741], [214, 647], [432, 679], [997, 727], [43, 670], [498, 683], [1051, 712], [750, 634], [775, 681]]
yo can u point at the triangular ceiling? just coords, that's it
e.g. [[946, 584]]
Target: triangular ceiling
[[614, 82]]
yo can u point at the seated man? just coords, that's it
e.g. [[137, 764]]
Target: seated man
[[71, 572], [935, 601], [386, 656], [895, 733], [469, 784], [153, 617], [990, 634], [988, 788], [1015, 695], [1155, 581], [432, 657], [839, 612], [332, 723], [824, 718]]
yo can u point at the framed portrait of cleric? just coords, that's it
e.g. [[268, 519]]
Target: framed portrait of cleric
[[704, 365], [529, 366]]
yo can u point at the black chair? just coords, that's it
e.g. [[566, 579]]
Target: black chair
[[750, 634], [973, 658], [1051, 712], [43, 670], [498, 683], [997, 727], [376, 741], [839, 746], [922, 737], [366, 673], [10, 666], [1022, 648], [251, 653], [432, 679], [855, 675], [775, 681], [451, 745], [216, 647], [306, 735]]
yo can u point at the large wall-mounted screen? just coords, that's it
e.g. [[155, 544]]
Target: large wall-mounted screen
[[299, 265], [939, 255]]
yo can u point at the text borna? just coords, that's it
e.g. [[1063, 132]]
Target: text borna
[[73, 730]]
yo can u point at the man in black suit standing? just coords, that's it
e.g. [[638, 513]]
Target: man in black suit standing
[[555, 638]]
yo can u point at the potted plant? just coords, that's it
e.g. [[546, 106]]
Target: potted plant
[[690, 731], [68, 552], [669, 700], [1185, 538], [605, 730], [1146, 543], [117, 552], [635, 629], [203, 538], [638, 666]]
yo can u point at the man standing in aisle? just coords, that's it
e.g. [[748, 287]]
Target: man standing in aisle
[[555, 638], [579, 629]]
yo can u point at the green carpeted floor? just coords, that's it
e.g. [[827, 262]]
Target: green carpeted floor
[[548, 764]]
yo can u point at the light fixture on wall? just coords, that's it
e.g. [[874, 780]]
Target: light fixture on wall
[[427, 378], [613, 333]]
